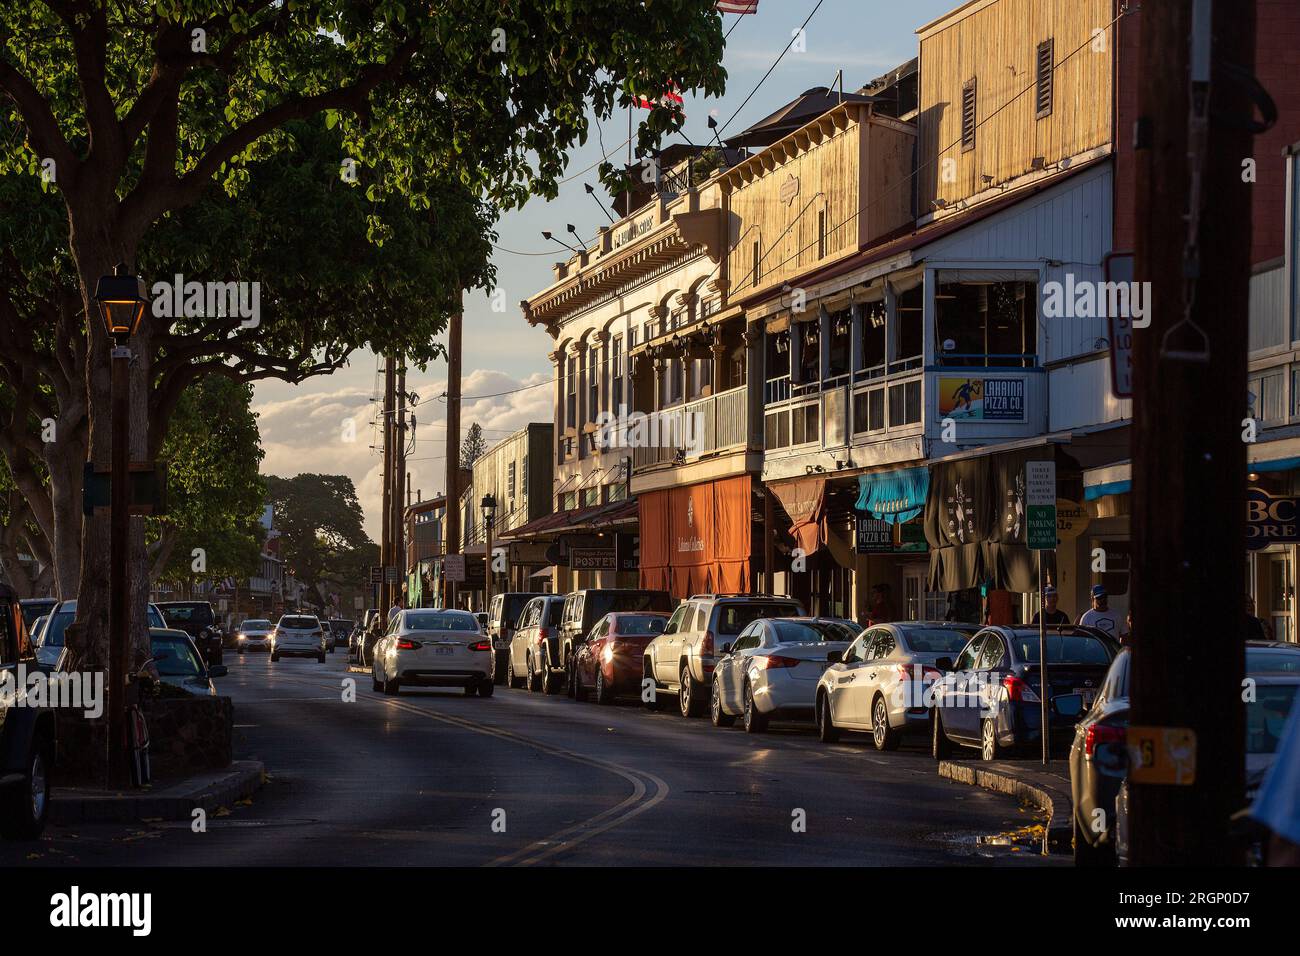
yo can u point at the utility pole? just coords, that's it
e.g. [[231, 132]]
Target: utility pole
[[399, 483], [1193, 220], [453, 452], [386, 535]]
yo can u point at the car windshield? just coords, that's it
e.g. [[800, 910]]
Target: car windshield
[[1063, 649], [1266, 716], [441, 622], [838, 630], [804, 632], [200, 614], [1272, 660], [299, 623], [35, 609], [52, 636], [632, 625], [155, 617], [936, 640], [512, 605], [256, 624], [600, 603], [734, 618], [174, 657]]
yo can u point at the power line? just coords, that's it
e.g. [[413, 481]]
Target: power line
[[779, 57]]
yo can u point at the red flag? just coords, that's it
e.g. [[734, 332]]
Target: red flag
[[737, 6], [670, 98]]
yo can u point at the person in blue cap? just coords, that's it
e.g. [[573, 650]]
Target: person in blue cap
[[1101, 615], [1278, 804]]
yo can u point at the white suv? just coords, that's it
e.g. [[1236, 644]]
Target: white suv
[[680, 660], [298, 635]]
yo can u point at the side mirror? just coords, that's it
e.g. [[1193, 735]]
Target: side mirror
[[1068, 705], [726, 649], [834, 657], [218, 670], [944, 663]]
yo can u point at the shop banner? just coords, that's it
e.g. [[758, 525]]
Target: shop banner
[[873, 536], [1271, 519], [981, 399], [804, 500], [696, 539]]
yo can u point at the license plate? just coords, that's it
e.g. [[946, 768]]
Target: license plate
[[443, 650]]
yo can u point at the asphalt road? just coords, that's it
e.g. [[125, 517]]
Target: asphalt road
[[437, 778]]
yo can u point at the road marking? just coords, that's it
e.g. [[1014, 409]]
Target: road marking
[[566, 839]]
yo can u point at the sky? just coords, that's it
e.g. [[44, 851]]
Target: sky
[[325, 425]]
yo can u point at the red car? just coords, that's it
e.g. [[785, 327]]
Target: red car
[[609, 661]]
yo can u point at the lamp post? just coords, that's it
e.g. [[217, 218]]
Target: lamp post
[[489, 506], [121, 298]]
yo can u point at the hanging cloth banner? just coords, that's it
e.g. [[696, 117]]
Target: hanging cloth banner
[[804, 500], [894, 496]]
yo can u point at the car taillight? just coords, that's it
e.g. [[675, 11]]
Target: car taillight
[[1017, 689], [481, 646], [706, 645], [1101, 734], [403, 644], [545, 633], [773, 661]]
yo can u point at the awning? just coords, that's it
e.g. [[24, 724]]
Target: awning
[[804, 500], [1116, 479], [592, 518], [894, 496], [695, 539], [546, 572]]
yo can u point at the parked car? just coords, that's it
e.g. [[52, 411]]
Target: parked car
[[49, 643], [680, 660], [989, 698], [196, 619], [503, 616], [772, 670], [878, 684], [1099, 755], [842, 628], [34, 608], [535, 646], [254, 635], [434, 648], [298, 635], [27, 736], [180, 664], [583, 608], [341, 631], [608, 662]]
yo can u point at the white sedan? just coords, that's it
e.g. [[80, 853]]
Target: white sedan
[[772, 670], [434, 648]]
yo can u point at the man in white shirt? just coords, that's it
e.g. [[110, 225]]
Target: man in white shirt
[[1101, 615]]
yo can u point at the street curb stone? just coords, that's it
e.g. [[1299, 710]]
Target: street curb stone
[[1015, 782], [206, 791]]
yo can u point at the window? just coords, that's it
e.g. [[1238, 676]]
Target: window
[[593, 383], [821, 233], [968, 115], [991, 656], [510, 480], [591, 496], [840, 345], [754, 274], [616, 373], [987, 323], [525, 479], [967, 659], [571, 408], [882, 646], [873, 338], [909, 343], [1043, 80]]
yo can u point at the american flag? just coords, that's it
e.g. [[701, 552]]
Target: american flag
[[737, 6], [669, 99]]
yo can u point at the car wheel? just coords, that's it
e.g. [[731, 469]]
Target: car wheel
[[1088, 855], [550, 681], [576, 687], [320, 658], [511, 680], [486, 687], [534, 679], [827, 732], [471, 690], [274, 657], [989, 748], [940, 745], [755, 721], [655, 702], [884, 736], [374, 680], [717, 715], [570, 675], [690, 695], [26, 803], [604, 693]]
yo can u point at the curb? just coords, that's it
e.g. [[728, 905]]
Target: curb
[[1057, 836], [206, 791]]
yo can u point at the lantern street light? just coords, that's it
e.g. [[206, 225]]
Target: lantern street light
[[121, 298], [489, 506]]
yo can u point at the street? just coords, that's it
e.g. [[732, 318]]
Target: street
[[420, 779]]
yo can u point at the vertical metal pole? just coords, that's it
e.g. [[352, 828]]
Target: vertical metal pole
[[452, 523], [1043, 692], [386, 534], [119, 528], [487, 558]]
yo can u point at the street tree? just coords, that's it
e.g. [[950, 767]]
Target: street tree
[[321, 529]]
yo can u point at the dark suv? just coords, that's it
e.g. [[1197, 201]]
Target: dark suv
[[582, 609], [26, 734], [196, 619]]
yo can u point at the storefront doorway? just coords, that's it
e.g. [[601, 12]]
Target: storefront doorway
[[1279, 582]]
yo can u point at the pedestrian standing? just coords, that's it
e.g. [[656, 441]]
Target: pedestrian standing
[[1050, 613], [1101, 615]]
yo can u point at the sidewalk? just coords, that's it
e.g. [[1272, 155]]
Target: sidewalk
[[175, 801], [1046, 788]]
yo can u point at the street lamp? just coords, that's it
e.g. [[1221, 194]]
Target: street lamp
[[489, 506], [121, 299]]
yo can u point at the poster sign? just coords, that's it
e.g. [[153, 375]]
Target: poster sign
[[1118, 267], [454, 567], [376, 574], [874, 536], [593, 559], [1040, 505], [981, 399]]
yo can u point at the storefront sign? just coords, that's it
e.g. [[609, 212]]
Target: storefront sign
[[1071, 519], [1040, 505], [873, 536], [592, 559], [981, 399], [1271, 520], [633, 230]]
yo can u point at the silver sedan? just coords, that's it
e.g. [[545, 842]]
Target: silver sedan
[[434, 648]]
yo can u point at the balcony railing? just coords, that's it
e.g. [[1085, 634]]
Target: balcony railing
[[876, 408], [718, 423]]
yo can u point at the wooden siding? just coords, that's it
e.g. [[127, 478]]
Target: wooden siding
[[996, 45], [1268, 321]]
